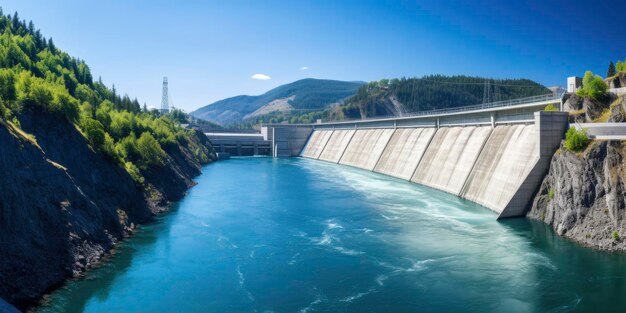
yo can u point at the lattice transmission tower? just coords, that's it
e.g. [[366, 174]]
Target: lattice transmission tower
[[165, 98], [487, 92]]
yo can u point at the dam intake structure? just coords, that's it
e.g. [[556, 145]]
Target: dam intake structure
[[495, 157]]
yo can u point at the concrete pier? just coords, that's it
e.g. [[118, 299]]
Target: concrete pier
[[240, 143]]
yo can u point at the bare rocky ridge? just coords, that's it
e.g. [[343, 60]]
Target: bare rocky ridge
[[64, 206], [281, 104]]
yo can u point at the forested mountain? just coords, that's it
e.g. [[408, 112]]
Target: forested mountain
[[33, 72], [397, 96], [80, 164], [294, 99]]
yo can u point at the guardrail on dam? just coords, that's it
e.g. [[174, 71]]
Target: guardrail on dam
[[496, 157]]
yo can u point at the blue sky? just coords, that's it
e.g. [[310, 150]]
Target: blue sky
[[211, 49]]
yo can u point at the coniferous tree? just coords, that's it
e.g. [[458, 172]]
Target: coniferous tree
[[51, 46], [611, 72]]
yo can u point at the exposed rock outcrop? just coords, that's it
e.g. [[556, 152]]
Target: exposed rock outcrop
[[618, 111], [616, 81], [591, 108], [583, 196], [63, 206]]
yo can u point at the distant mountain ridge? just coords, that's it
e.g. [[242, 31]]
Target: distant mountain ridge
[[304, 95]]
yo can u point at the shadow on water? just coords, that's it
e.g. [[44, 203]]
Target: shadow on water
[[581, 278], [98, 282]]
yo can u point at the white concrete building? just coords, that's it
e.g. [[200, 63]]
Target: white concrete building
[[574, 83]]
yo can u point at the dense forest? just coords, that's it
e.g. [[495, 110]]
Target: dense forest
[[386, 97], [35, 74]]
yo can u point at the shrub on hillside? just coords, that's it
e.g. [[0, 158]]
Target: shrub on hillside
[[94, 132], [551, 108], [576, 140], [127, 148], [615, 235], [134, 173], [150, 151], [593, 87]]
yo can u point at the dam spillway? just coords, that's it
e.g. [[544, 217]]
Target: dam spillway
[[496, 166], [450, 157], [336, 145], [506, 159], [404, 151], [316, 144], [365, 148], [495, 155], [478, 163]]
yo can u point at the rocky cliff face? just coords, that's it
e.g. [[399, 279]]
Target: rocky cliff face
[[585, 109], [616, 81], [583, 196], [63, 206]]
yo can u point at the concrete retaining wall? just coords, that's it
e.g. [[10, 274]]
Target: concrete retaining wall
[[603, 131], [289, 141]]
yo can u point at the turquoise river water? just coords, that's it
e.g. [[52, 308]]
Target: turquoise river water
[[297, 235]]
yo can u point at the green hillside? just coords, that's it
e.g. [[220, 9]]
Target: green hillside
[[35, 74], [392, 97], [296, 98]]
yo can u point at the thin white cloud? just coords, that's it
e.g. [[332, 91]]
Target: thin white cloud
[[261, 77], [304, 68]]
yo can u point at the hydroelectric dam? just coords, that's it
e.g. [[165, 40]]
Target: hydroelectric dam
[[492, 154]]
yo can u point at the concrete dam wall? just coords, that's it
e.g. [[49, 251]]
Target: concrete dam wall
[[495, 166], [506, 160], [450, 156]]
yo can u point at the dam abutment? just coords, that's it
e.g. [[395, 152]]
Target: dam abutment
[[550, 128]]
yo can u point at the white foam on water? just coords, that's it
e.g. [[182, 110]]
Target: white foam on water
[[332, 224], [329, 240], [389, 218], [224, 242], [416, 266], [294, 259], [356, 296], [242, 281], [300, 234], [348, 251], [325, 240], [318, 299], [410, 211]]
